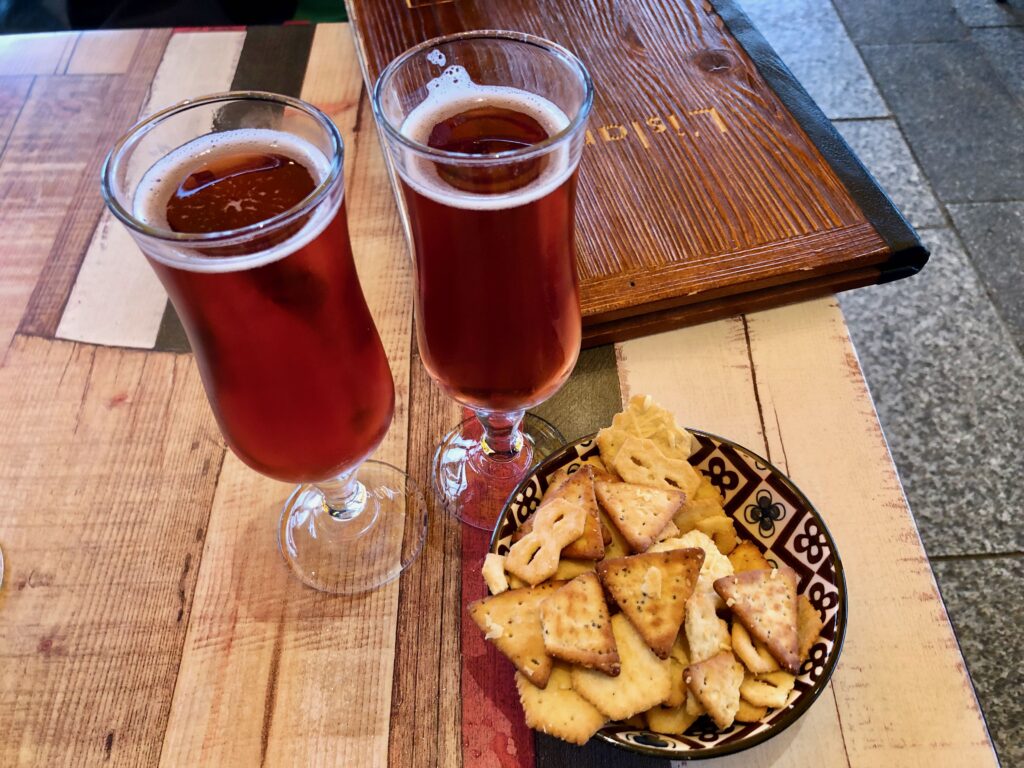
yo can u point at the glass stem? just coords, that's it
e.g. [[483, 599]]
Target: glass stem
[[344, 496], [502, 440]]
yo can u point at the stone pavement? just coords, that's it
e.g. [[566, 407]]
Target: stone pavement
[[930, 95]]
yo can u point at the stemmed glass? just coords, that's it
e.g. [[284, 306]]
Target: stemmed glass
[[291, 361], [485, 131]]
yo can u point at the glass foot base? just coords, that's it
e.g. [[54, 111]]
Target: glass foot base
[[473, 485], [366, 551]]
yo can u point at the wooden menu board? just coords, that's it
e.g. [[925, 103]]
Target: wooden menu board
[[710, 185]]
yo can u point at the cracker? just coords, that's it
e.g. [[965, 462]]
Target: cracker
[[643, 417], [716, 684], [511, 621], [534, 557], [493, 572], [721, 530], [557, 709], [707, 490], [674, 720], [765, 602], [640, 513], [609, 441], [706, 634], [754, 655], [747, 557], [577, 627], [677, 694], [692, 705], [748, 713], [615, 544], [652, 590], [639, 461], [570, 569], [577, 488], [695, 510], [668, 532], [716, 565], [768, 690], [808, 626], [643, 679]]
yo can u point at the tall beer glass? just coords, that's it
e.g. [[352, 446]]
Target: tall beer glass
[[237, 201], [485, 130]]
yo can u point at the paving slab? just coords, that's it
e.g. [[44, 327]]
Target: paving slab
[[946, 378], [903, 21], [1004, 49], [962, 124], [988, 13]]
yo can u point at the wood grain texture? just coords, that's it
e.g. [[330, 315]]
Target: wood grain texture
[[108, 461], [54, 144], [116, 298], [786, 382], [45, 54], [107, 52], [274, 673], [696, 183], [92, 135]]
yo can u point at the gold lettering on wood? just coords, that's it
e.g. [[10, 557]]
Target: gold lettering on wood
[[655, 125], [640, 135], [613, 132]]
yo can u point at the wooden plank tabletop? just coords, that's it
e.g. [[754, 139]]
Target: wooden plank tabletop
[[146, 617]]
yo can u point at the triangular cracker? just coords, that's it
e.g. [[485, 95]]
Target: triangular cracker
[[643, 681], [765, 603], [557, 709], [577, 626], [716, 684], [640, 513], [511, 620], [652, 590]]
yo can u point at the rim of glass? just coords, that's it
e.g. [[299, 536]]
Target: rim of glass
[[139, 130], [426, 150]]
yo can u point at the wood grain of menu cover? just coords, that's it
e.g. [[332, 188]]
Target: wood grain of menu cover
[[710, 185]]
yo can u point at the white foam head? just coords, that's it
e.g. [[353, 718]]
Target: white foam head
[[160, 182], [453, 92]]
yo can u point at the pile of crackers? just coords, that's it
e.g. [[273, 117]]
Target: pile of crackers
[[627, 596]]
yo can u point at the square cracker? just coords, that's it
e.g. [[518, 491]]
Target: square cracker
[[640, 513], [511, 620], [642, 682], [639, 461], [577, 627], [578, 489], [765, 603], [557, 709], [716, 684], [652, 590]]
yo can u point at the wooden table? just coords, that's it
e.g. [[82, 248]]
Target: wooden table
[[146, 617]]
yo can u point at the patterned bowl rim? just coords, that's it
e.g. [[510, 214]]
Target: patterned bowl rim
[[804, 702]]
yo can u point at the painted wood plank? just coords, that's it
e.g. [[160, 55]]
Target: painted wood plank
[[45, 54], [117, 299], [786, 382], [105, 52], [13, 93], [903, 692], [273, 672], [47, 155], [124, 97], [108, 461]]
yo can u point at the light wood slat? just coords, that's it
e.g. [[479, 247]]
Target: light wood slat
[[47, 153], [705, 376], [13, 92], [108, 461], [45, 54], [126, 95], [274, 673], [117, 298], [786, 382], [903, 692], [104, 52]]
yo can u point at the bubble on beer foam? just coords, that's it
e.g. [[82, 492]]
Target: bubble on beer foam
[[161, 181], [436, 58], [453, 91]]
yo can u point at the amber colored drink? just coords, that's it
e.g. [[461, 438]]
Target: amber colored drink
[[498, 311], [290, 358]]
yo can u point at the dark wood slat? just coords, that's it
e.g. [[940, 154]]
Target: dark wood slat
[[90, 134], [426, 708], [696, 181]]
